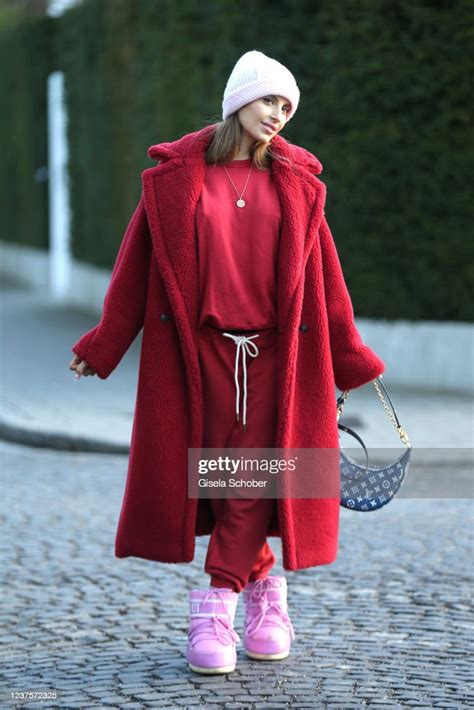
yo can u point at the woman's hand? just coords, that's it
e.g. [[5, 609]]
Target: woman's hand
[[81, 367]]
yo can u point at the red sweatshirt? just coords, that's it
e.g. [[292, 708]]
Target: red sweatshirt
[[238, 248]]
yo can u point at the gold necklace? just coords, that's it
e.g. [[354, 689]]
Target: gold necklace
[[240, 202]]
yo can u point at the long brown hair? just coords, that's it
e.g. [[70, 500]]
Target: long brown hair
[[225, 143]]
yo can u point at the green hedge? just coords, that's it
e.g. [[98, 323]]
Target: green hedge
[[24, 58], [384, 106]]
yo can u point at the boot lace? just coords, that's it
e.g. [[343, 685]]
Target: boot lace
[[279, 615], [214, 626]]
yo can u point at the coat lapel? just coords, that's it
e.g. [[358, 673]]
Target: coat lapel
[[171, 192], [302, 202]]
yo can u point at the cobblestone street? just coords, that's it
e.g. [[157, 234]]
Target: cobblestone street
[[388, 624]]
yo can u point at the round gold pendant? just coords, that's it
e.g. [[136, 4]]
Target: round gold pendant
[[240, 203]]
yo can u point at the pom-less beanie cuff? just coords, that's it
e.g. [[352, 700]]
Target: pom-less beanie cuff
[[255, 75]]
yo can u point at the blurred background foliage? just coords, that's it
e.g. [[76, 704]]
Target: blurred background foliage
[[384, 106]]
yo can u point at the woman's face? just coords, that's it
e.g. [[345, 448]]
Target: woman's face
[[264, 118]]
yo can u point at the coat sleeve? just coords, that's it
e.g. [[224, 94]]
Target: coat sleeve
[[354, 363], [124, 304]]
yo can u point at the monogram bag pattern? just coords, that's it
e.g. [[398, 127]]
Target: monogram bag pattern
[[370, 487]]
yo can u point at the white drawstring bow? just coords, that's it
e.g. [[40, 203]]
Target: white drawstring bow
[[245, 344]]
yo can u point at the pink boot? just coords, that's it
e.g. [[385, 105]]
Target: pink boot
[[268, 629], [212, 639]]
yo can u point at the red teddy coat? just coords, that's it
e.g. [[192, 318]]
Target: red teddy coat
[[154, 285]]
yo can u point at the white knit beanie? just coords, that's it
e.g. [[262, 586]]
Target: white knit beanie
[[256, 75]]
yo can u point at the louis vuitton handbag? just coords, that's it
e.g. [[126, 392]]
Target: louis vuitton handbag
[[366, 488]]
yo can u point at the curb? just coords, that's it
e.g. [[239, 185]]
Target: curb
[[58, 441], [15, 434]]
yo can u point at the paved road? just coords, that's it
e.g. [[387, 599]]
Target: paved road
[[388, 624]]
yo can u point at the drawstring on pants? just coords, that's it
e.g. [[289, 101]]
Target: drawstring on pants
[[245, 344]]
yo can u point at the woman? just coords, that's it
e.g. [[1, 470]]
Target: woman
[[229, 265]]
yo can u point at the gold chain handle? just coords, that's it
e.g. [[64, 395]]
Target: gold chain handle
[[400, 431]]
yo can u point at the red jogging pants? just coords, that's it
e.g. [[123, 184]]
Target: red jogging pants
[[238, 551]]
